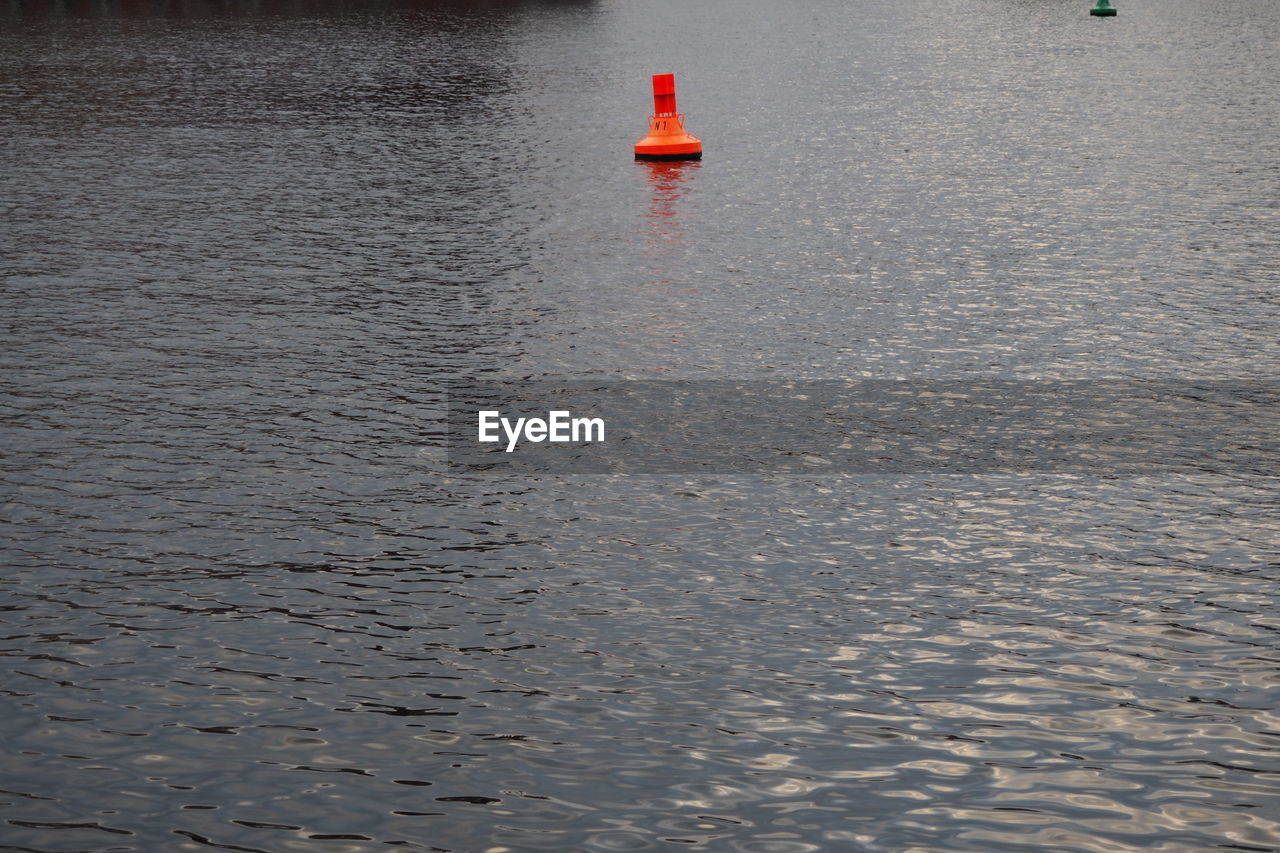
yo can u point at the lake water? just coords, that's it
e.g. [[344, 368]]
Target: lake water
[[249, 603]]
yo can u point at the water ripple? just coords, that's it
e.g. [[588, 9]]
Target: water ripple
[[247, 607]]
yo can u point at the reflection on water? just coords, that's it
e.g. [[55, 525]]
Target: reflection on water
[[666, 288], [246, 606], [670, 182]]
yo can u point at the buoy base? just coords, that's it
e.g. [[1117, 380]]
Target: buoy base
[[668, 140], [696, 155], [1102, 13]]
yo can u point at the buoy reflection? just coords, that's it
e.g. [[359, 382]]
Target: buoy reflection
[[669, 182]]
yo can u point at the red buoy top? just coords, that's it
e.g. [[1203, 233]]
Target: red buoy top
[[664, 94]]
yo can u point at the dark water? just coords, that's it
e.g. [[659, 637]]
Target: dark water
[[246, 605]]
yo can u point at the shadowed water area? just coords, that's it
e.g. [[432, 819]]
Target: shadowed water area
[[249, 603]]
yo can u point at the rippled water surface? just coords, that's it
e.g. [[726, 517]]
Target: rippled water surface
[[246, 604]]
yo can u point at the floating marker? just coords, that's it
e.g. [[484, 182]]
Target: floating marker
[[667, 139], [1103, 9]]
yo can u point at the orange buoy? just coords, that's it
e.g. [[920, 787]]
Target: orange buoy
[[667, 139]]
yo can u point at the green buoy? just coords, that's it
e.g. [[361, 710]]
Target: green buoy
[[1103, 9]]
